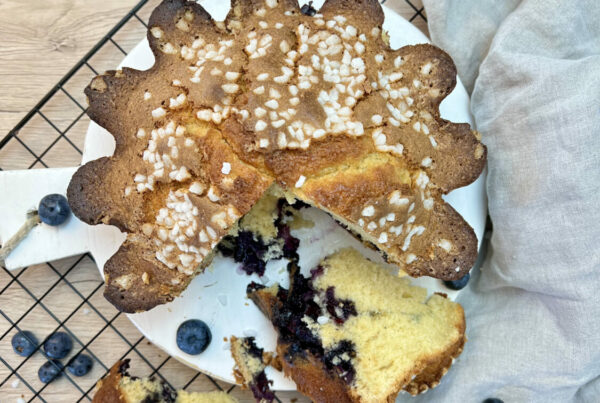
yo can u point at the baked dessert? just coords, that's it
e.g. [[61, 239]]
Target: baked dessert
[[320, 105], [118, 387], [250, 364], [354, 332]]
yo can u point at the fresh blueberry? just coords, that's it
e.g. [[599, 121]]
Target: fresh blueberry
[[193, 336], [58, 345], [493, 400], [54, 209], [458, 284], [50, 371], [24, 343], [308, 9], [80, 365]]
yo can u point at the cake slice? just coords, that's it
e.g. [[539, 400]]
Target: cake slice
[[354, 332], [250, 364], [118, 386]]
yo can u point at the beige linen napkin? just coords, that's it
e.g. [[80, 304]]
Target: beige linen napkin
[[534, 310]]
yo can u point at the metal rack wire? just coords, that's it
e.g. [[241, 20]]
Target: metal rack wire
[[64, 295]]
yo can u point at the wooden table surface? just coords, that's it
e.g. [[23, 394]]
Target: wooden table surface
[[40, 42]]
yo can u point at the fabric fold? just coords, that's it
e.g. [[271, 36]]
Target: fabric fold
[[534, 71]]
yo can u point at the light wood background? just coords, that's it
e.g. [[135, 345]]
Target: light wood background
[[39, 42]]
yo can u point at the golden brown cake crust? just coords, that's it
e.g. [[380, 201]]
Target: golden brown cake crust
[[107, 388], [436, 368], [321, 105], [111, 389], [312, 380]]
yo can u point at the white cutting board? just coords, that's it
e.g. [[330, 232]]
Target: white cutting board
[[218, 295]]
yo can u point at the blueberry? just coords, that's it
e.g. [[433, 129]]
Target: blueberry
[[24, 343], [193, 336], [80, 365], [54, 209], [58, 345], [50, 371], [308, 9], [493, 400], [458, 284]]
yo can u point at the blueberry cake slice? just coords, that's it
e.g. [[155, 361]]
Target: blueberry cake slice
[[354, 332], [118, 387], [320, 105], [250, 364]]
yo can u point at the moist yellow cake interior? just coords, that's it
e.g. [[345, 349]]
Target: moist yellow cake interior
[[136, 390], [247, 364], [396, 324], [260, 220], [210, 397]]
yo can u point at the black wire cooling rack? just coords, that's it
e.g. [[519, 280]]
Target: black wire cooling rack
[[65, 295]]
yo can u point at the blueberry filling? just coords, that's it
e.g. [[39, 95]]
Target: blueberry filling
[[168, 394], [299, 204], [260, 384], [339, 309], [290, 316], [339, 359], [254, 286], [245, 249], [250, 250], [123, 367], [260, 388], [290, 243], [316, 272], [252, 348]]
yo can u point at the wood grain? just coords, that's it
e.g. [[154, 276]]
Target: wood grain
[[41, 41]]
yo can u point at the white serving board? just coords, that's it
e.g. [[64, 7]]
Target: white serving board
[[218, 295], [21, 191]]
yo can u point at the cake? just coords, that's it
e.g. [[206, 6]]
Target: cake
[[319, 105], [118, 387], [354, 332], [250, 364]]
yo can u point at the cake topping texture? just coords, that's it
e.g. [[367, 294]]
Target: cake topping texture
[[319, 104]]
